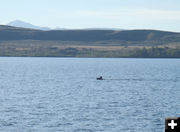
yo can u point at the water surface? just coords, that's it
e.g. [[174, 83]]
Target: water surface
[[63, 95]]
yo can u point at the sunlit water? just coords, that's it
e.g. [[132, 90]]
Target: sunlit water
[[63, 95]]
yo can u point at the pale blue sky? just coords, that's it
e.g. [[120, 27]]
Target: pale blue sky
[[124, 14]]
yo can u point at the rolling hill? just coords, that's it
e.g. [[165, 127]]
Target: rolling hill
[[15, 41], [14, 33]]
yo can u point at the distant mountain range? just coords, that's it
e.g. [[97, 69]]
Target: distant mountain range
[[22, 24], [18, 23]]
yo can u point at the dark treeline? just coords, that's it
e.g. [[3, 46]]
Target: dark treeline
[[68, 49], [146, 52], [123, 52], [157, 52]]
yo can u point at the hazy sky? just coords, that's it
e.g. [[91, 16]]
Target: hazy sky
[[124, 14]]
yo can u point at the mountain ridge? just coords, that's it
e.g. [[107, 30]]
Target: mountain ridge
[[22, 24], [16, 33]]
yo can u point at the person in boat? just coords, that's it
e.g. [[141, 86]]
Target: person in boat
[[100, 78]]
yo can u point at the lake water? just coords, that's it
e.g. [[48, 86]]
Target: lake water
[[63, 95]]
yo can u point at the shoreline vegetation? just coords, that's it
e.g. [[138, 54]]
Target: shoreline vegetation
[[93, 51], [21, 42]]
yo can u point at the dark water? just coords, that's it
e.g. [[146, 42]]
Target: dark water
[[63, 95]]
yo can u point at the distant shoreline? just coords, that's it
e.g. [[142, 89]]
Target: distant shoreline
[[83, 57], [91, 52]]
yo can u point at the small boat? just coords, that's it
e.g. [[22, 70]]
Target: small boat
[[100, 78]]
